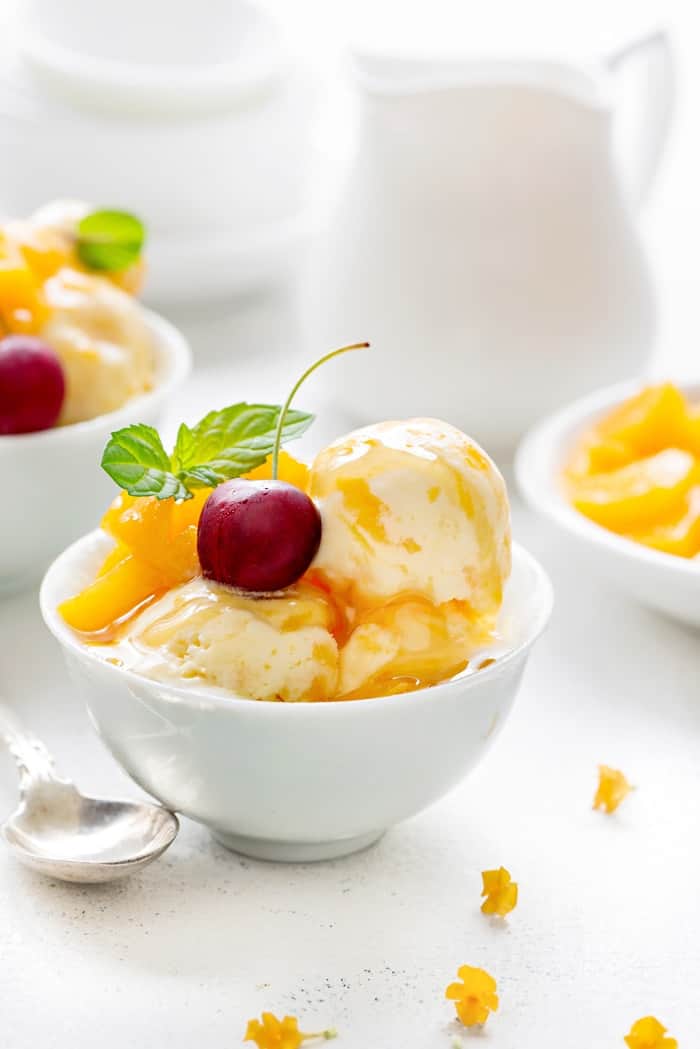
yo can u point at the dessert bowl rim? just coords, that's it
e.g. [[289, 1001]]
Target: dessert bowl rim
[[171, 348], [543, 598], [539, 464]]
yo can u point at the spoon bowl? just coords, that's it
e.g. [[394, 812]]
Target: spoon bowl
[[89, 839], [63, 834]]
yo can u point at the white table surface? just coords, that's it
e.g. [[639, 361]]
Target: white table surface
[[608, 924], [606, 929]]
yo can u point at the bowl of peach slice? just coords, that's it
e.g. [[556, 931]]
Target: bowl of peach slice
[[619, 473], [78, 356], [298, 656]]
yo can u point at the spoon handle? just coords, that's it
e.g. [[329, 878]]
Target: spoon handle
[[33, 760]]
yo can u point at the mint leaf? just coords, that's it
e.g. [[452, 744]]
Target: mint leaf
[[224, 444], [109, 240], [137, 461], [232, 441]]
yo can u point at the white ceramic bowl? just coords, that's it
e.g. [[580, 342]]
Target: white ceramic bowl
[[661, 581], [296, 781], [213, 53], [54, 487]]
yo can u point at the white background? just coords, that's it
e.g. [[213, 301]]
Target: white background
[[607, 928]]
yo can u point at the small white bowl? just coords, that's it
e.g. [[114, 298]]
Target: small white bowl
[[661, 581], [214, 53], [54, 487], [296, 781]]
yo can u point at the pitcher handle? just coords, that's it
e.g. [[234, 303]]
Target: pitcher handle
[[652, 57]]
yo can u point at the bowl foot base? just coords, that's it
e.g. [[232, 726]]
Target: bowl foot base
[[295, 851]]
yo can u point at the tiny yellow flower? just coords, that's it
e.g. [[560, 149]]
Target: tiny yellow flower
[[501, 893], [613, 788], [648, 1033], [272, 1033], [475, 997]]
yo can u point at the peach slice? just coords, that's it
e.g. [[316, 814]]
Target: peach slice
[[641, 495], [156, 549], [289, 469], [692, 442], [599, 454], [656, 418], [114, 594], [681, 536], [22, 306], [653, 420], [45, 251], [116, 556], [152, 528]]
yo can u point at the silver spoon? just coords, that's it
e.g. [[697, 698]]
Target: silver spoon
[[57, 831]]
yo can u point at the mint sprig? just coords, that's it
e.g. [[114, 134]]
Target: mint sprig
[[242, 433], [222, 445], [109, 240]]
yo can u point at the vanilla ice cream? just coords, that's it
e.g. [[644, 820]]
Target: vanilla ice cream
[[101, 337], [412, 507], [266, 648]]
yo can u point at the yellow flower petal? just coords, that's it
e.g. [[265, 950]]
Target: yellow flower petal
[[501, 893], [477, 979], [613, 788], [472, 1012], [252, 1031], [280, 1034], [474, 997], [491, 1000], [273, 1033], [649, 1033]]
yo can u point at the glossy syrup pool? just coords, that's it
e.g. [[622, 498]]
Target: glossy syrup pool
[[123, 649]]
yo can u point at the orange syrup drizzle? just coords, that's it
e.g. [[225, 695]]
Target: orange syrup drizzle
[[115, 632]]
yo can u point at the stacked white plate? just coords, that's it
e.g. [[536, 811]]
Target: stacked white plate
[[192, 115]]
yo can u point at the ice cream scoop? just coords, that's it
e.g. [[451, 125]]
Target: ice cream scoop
[[102, 340], [280, 647], [416, 508]]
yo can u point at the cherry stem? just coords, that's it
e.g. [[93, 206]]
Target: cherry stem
[[287, 404]]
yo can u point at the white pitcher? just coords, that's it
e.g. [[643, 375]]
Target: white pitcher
[[485, 241]]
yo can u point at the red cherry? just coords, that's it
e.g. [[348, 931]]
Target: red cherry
[[257, 535], [32, 385]]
